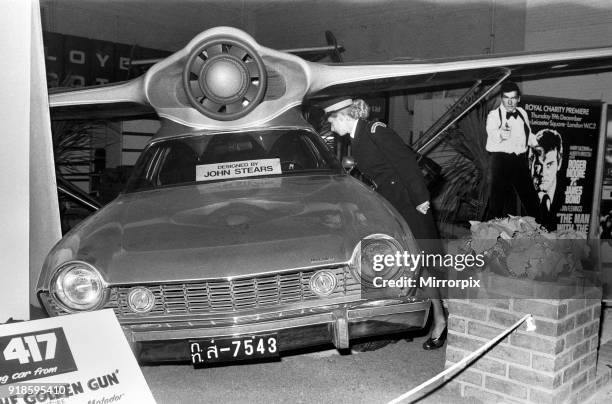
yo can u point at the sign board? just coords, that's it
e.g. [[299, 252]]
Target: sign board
[[378, 108], [606, 193], [563, 167], [77, 358], [76, 61], [238, 169], [605, 218]]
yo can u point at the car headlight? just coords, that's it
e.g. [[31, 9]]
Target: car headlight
[[367, 263], [78, 286]]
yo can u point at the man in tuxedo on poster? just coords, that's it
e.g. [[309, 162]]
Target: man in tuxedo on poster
[[508, 138]]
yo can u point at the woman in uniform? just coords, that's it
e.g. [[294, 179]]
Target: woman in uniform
[[382, 155]]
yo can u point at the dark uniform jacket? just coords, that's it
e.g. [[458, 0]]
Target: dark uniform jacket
[[383, 156]]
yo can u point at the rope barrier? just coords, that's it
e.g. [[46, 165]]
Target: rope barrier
[[468, 359]]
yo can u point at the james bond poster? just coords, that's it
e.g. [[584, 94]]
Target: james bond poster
[[563, 165]]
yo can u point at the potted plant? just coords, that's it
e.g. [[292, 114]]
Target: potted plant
[[521, 257], [466, 174]]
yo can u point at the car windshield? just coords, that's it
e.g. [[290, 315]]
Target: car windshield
[[226, 156]]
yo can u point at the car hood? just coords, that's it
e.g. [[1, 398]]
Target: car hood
[[227, 229]]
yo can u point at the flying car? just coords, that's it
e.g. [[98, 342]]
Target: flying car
[[239, 235]]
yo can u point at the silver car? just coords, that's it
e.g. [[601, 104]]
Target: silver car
[[236, 245]]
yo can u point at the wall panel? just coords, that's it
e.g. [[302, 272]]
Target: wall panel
[[565, 25]]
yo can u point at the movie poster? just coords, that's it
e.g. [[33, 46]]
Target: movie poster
[[563, 165], [605, 219]]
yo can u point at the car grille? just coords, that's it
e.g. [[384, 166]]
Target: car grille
[[235, 295]]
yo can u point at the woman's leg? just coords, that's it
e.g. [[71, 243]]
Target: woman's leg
[[427, 237], [439, 318]]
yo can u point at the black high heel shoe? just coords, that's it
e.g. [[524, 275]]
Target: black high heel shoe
[[435, 343]]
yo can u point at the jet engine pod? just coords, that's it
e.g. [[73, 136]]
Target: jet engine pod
[[224, 78]]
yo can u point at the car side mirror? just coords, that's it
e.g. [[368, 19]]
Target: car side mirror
[[348, 163]]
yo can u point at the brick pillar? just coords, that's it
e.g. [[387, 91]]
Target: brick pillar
[[555, 364]]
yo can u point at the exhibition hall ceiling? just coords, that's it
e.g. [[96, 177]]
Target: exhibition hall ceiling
[[368, 29], [166, 24]]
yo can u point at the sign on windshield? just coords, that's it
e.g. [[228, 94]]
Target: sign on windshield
[[238, 169]]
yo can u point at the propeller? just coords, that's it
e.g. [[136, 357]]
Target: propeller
[[335, 53], [224, 78]]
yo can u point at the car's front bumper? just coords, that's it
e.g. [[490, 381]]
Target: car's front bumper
[[338, 324]]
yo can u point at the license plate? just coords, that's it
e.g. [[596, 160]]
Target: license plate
[[233, 349]]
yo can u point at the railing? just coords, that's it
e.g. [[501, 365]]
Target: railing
[[467, 101]]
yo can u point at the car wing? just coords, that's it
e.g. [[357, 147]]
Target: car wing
[[224, 80], [118, 100], [337, 79]]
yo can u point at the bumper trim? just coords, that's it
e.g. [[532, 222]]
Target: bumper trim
[[339, 326], [196, 332], [341, 329]]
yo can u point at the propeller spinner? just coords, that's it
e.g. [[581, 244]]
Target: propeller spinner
[[224, 78]]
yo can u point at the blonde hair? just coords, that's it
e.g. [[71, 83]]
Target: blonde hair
[[359, 109]]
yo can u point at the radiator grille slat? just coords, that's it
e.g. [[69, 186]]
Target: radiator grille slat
[[230, 296]]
